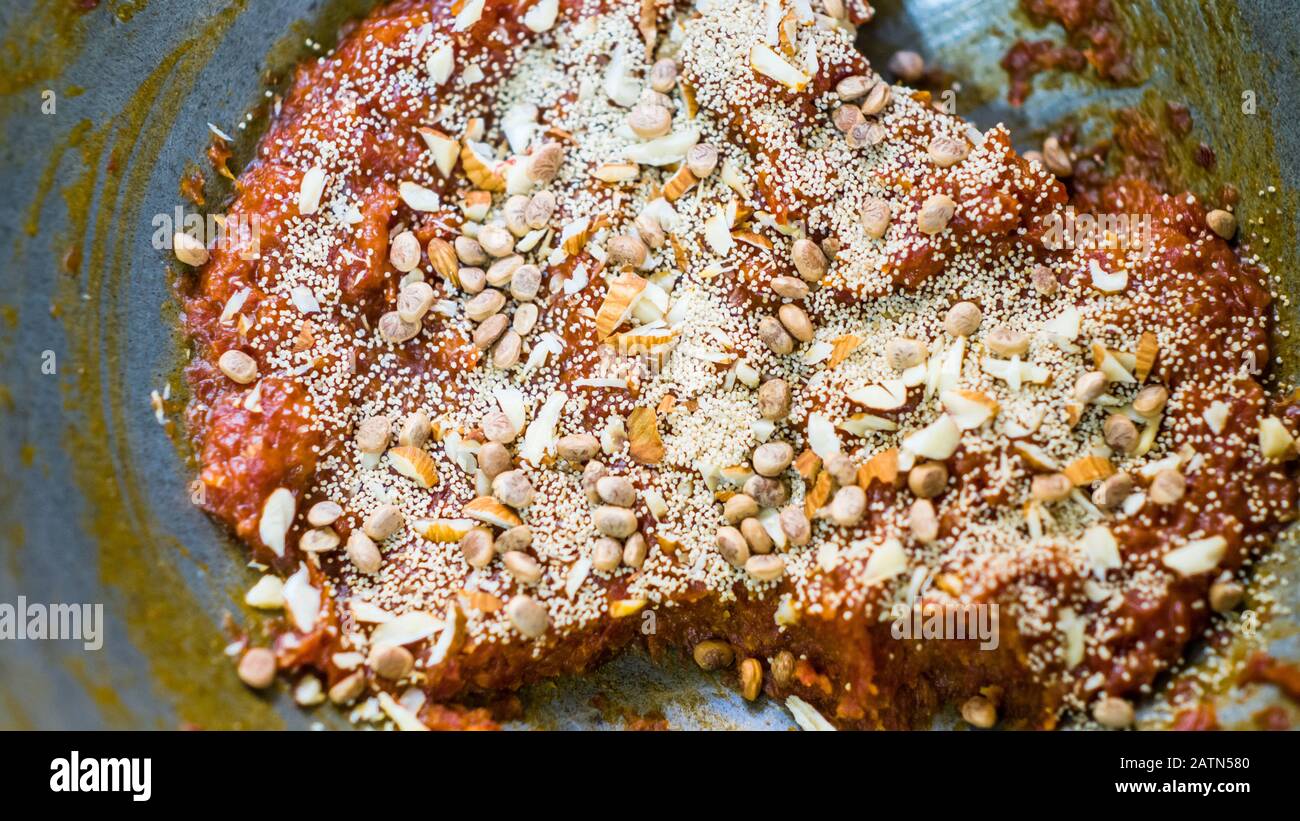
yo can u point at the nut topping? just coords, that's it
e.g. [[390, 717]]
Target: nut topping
[[477, 547], [935, 214], [772, 458], [544, 163], [962, 319], [875, 217], [701, 159], [774, 399], [848, 506], [945, 151], [902, 353], [404, 253], [238, 366], [756, 536], [484, 305], [796, 322], [648, 121], [809, 260], [733, 547], [396, 330], [774, 336]]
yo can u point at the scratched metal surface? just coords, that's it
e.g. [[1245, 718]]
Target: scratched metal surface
[[93, 502]]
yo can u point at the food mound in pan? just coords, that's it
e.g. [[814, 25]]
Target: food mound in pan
[[573, 325]]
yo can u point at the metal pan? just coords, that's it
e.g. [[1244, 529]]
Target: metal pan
[[102, 113]]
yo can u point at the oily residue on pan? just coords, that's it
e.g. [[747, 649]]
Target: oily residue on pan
[[1219, 75], [1201, 55], [100, 172], [163, 619]]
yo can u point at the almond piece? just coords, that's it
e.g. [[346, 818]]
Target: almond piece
[[643, 436], [277, 517], [1196, 557], [679, 184], [751, 239], [622, 608], [488, 510], [819, 495], [887, 396], [443, 259], [882, 467], [189, 250], [479, 172], [616, 172], [1146, 356], [807, 465], [310, 190], [1088, 469], [1275, 441], [969, 409], [476, 204], [764, 60], [442, 531], [617, 306], [445, 149], [937, 440], [417, 197], [841, 348], [415, 464]]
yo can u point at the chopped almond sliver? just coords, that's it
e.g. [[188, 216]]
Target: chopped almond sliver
[[478, 171], [883, 468], [310, 190], [1148, 347], [622, 608], [1109, 363], [643, 436], [488, 510], [1089, 469], [647, 24], [752, 239], [443, 531], [415, 464], [480, 601], [888, 395], [679, 184], [764, 60], [842, 346], [667, 544], [819, 495], [969, 409], [1035, 456], [808, 464], [614, 172], [276, 519], [1275, 441], [1196, 557], [614, 311], [949, 583], [937, 440], [688, 98], [476, 204], [444, 148]]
